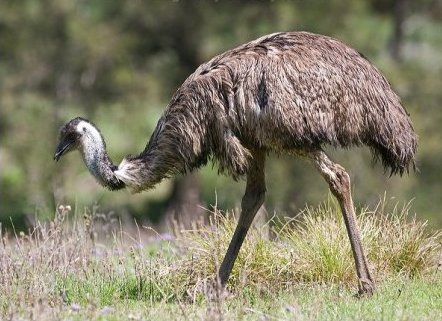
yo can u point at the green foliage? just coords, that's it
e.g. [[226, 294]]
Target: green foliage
[[119, 62]]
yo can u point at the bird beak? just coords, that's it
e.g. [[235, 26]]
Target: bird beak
[[65, 145]]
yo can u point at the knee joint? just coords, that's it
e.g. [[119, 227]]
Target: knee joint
[[340, 184]]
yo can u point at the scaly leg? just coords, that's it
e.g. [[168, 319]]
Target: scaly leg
[[339, 182], [251, 202]]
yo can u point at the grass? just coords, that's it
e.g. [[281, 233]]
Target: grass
[[298, 269]]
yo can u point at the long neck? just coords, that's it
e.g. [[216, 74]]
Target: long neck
[[179, 143], [97, 160], [173, 148], [149, 168]]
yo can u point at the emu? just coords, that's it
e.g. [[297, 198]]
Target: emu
[[287, 92]]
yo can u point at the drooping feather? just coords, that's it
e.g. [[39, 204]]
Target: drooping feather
[[286, 92]]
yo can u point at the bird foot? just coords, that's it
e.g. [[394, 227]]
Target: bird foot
[[366, 289], [215, 291]]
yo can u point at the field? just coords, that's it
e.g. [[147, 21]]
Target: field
[[85, 266]]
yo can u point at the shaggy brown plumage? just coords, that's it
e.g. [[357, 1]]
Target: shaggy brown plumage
[[290, 92], [286, 92]]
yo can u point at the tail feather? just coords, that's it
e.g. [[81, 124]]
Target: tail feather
[[392, 161], [396, 150]]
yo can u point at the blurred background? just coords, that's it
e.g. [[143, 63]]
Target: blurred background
[[118, 63]]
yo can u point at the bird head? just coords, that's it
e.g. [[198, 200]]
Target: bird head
[[72, 136]]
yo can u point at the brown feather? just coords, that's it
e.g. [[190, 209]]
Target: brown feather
[[286, 92]]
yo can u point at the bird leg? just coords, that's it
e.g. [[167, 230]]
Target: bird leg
[[339, 183], [251, 202]]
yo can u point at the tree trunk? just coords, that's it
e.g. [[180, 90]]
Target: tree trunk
[[184, 209], [398, 33]]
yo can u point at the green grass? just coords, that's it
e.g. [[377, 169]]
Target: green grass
[[396, 299], [299, 269]]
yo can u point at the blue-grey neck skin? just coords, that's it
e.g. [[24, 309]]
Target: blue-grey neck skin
[[96, 159]]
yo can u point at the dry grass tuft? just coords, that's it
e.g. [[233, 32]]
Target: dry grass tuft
[[30, 264], [311, 248], [62, 268]]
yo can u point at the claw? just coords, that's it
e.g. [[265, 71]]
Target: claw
[[366, 289]]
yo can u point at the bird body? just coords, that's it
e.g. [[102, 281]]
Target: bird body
[[286, 92], [291, 92]]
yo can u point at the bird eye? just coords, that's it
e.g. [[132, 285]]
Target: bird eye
[[84, 129]]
